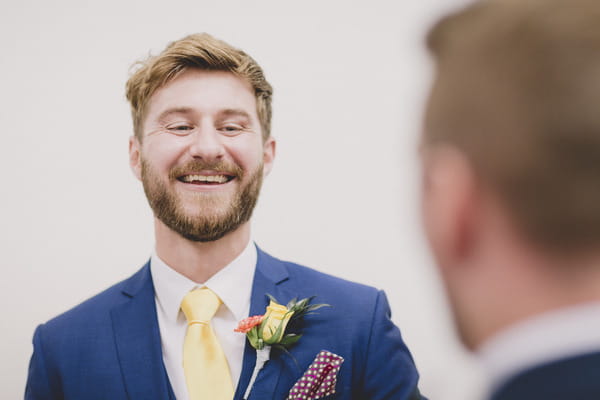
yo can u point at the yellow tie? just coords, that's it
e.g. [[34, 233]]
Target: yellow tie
[[204, 363]]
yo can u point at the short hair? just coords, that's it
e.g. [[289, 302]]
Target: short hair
[[196, 51], [518, 92]]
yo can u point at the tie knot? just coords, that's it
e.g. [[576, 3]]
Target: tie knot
[[200, 305]]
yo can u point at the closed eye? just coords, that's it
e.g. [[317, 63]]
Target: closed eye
[[180, 129], [231, 129]]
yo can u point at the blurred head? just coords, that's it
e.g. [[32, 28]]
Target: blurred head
[[513, 120]]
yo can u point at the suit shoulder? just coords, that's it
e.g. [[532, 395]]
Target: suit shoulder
[[99, 305], [330, 289], [573, 377], [302, 272]]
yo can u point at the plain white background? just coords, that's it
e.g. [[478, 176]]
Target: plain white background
[[350, 79]]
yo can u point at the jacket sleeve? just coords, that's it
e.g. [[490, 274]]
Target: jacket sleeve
[[390, 372], [38, 384]]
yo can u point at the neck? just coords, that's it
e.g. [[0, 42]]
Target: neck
[[519, 289], [199, 261]]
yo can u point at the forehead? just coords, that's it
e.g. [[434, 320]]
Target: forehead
[[204, 92]]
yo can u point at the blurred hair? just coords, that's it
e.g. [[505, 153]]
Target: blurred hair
[[199, 51], [518, 91]]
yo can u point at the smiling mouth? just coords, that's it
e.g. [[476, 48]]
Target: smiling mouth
[[206, 179]]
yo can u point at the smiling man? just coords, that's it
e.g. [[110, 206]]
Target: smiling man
[[202, 146]]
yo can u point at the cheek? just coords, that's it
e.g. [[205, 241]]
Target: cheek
[[161, 153], [433, 225], [247, 154], [427, 209], [429, 225]]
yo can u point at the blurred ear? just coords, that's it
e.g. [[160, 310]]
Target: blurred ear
[[135, 161], [269, 149], [449, 204]]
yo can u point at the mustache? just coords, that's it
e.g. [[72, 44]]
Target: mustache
[[226, 168]]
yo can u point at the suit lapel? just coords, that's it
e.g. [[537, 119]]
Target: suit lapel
[[270, 274], [137, 339]]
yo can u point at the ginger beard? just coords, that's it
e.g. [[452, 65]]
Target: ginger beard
[[217, 215]]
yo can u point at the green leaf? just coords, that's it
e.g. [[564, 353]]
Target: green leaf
[[302, 303], [272, 298], [291, 303], [303, 308], [252, 334], [253, 337], [284, 350], [261, 327], [290, 340], [276, 337]]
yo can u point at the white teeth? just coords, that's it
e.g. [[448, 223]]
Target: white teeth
[[205, 178]]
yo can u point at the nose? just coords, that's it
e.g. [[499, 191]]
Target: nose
[[205, 144]]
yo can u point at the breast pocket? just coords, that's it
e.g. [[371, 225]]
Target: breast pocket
[[339, 394]]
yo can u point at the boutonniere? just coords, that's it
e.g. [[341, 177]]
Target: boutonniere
[[271, 330]]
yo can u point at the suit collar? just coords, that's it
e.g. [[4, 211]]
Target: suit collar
[[138, 282], [137, 339], [567, 331], [570, 378], [137, 334], [270, 278], [233, 285]]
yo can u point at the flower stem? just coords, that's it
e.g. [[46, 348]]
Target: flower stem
[[262, 356]]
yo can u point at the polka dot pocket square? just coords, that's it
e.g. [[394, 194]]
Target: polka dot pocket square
[[320, 378]]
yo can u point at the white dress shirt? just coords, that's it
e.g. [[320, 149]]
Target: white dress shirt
[[548, 337], [233, 285]]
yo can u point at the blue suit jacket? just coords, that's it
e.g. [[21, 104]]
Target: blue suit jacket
[[109, 346], [575, 378]]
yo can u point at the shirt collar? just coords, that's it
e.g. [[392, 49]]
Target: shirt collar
[[548, 337], [233, 284]]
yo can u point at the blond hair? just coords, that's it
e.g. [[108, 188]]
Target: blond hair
[[518, 91], [200, 51]]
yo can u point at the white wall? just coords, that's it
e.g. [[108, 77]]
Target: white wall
[[350, 79]]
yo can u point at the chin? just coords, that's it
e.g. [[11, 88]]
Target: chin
[[207, 207]]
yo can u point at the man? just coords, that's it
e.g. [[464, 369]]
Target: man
[[511, 190], [202, 145]]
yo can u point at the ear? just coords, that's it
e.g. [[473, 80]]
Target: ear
[[449, 205], [269, 149], [135, 161]]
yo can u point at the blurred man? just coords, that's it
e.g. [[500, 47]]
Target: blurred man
[[511, 190], [202, 146]]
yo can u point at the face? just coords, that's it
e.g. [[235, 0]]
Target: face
[[202, 157]]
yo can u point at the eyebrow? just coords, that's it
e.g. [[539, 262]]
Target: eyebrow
[[174, 110], [234, 112], [229, 112]]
